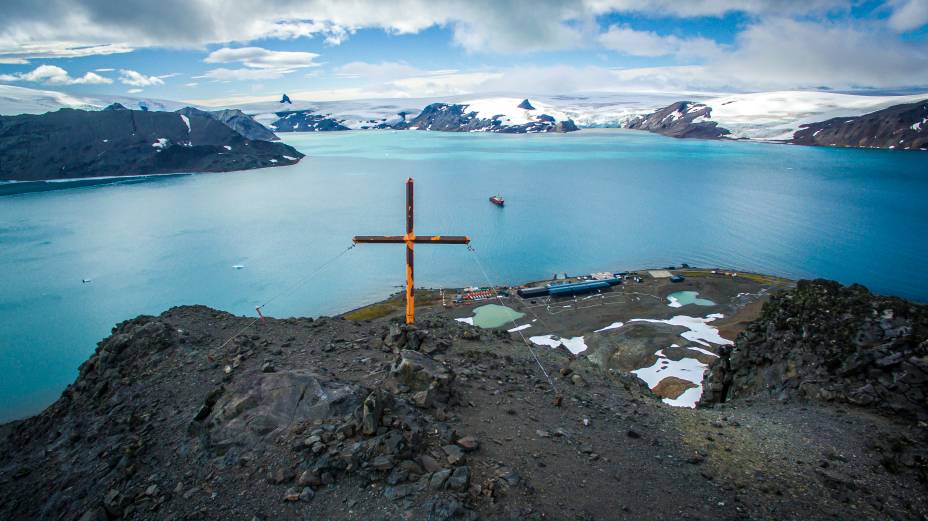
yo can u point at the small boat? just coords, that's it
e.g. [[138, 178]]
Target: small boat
[[498, 200]]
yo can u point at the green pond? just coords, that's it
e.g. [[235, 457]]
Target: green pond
[[681, 298], [493, 315]]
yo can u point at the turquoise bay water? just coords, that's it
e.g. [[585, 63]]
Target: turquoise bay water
[[577, 203]]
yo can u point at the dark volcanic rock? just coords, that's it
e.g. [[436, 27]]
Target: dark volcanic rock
[[446, 117], [684, 119], [74, 143], [305, 121], [829, 342], [236, 120], [900, 127]]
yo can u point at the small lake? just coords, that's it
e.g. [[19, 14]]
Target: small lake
[[684, 298], [577, 203]]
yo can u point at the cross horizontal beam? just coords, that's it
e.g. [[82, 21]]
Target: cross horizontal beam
[[430, 239]]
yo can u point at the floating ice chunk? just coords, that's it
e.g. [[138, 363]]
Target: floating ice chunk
[[239, 266], [674, 303], [519, 328], [614, 325]]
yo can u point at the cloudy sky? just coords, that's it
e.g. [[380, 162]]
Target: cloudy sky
[[225, 50]]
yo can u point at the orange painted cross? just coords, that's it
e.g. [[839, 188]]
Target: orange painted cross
[[409, 239]]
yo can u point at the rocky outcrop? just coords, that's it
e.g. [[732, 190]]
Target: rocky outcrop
[[73, 143], [305, 121], [683, 119], [827, 342], [446, 117], [236, 120], [903, 127]]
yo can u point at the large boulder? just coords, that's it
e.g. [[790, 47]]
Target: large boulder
[[420, 374], [260, 405]]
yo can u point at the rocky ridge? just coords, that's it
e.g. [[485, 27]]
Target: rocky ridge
[[179, 417], [72, 143], [903, 127], [305, 121], [236, 120]]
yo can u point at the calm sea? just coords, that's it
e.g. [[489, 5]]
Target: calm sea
[[576, 203]]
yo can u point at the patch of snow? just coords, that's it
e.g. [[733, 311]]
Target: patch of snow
[[289, 158], [614, 325], [106, 140], [699, 330], [674, 302], [186, 122], [161, 143], [575, 345], [272, 160], [519, 328], [466, 320], [703, 351], [227, 147], [689, 369]]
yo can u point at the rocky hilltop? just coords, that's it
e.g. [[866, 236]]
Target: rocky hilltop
[[903, 127], [830, 343], [199, 414], [236, 120], [525, 119], [680, 119], [305, 121], [72, 143]]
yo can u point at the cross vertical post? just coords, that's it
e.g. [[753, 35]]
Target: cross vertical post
[[409, 239]]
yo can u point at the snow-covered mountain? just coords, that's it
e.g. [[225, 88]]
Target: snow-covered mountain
[[778, 115], [21, 100], [763, 116]]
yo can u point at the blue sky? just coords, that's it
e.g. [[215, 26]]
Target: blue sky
[[212, 52]]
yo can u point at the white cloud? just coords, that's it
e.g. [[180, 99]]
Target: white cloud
[[137, 79], [13, 61], [53, 75], [359, 69], [224, 74], [624, 39], [258, 63], [134, 91], [907, 15], [191, 84], [105, 70], [259, 58], [83, 27], [784, 53]]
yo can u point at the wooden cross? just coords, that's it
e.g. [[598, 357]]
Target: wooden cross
[[409, 239]]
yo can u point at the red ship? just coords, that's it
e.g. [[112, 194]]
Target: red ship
[[497, 200]]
